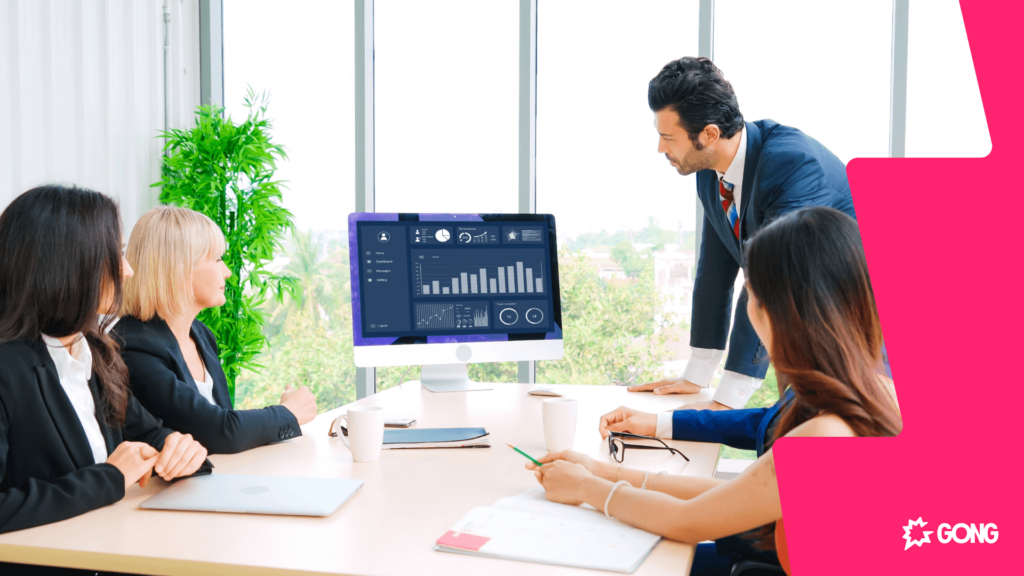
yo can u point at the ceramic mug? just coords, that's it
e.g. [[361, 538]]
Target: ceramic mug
[[559, 416], [365, 432]]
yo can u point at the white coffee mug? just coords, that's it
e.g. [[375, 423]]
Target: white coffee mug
[[559, 423], [365, 432]]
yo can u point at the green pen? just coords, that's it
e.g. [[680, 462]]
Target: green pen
[[525, 454]]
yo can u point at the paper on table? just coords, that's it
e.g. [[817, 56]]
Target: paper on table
[[529, 528], [534, 501], [515, 535]]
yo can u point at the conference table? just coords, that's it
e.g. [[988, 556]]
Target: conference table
[[409, 498]]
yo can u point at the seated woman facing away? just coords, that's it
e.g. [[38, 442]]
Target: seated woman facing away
[[812, 306], [172, 358], [72, 437]]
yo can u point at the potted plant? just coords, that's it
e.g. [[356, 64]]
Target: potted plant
[[225, 170]]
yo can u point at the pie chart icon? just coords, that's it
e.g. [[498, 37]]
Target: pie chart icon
[[442, 235]]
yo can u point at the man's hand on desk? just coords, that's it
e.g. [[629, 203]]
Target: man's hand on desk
[[624, 419], [667, 386], [709, 405]]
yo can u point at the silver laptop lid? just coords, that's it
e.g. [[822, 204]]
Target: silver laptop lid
[[256, 495]]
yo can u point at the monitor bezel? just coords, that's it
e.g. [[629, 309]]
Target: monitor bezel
[[359, 340]]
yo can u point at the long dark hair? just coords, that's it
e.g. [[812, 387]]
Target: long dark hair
[[59, 247], [809, 272]]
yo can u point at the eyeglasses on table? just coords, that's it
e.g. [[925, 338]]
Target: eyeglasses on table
[[617, 445]]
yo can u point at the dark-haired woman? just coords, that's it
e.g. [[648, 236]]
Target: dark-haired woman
[[72, 438], [812, 306]]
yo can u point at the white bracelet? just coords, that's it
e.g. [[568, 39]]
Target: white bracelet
[[608, 501], [644, 485]]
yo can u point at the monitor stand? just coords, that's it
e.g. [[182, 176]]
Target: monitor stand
[[449, 378]]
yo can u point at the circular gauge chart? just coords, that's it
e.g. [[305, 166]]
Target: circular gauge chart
[[534, 316], [442, 235], [465, 238], [508, 316]]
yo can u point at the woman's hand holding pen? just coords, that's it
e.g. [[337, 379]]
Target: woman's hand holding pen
[[600, 469], [563, 481]]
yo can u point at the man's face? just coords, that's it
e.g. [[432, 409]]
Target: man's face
[[675, 144]]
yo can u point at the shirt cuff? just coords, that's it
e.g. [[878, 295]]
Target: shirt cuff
[[701, 366], [735, 389], [664, 429]]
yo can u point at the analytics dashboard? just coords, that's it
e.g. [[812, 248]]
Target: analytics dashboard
[[427, 278]]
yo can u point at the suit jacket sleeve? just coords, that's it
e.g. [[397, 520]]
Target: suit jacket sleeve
[[735, 428], [38, 502], [183, 409], [712, 291]]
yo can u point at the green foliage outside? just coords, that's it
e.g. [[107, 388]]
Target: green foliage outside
[[767, 395], [651, 234], [612, 334], [225, 170]]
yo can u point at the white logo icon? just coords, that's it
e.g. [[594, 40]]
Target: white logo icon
[[512, 235], [383, 237], [910, 540]]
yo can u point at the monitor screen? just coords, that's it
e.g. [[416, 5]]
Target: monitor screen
[[449, 278]]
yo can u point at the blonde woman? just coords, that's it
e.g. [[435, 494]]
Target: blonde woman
[[172, 357]]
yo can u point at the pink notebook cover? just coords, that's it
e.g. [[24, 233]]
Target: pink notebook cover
[[462, 541]]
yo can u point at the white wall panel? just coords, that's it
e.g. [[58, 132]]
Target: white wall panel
[[82, 93]]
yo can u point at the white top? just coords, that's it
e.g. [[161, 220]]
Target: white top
[[734, 389], [206, 386], [74, 370]]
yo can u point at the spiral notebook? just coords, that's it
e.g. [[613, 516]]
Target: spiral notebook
[[529, 528]]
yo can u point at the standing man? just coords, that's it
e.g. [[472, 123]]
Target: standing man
[[748, 173]]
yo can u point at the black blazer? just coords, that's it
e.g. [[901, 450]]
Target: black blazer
[[46, 469], [163, 384]]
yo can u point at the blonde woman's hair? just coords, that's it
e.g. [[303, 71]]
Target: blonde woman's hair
[[164, 247]]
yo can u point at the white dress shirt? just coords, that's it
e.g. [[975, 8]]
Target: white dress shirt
[[206, 386], [734, 389], [74, 370]]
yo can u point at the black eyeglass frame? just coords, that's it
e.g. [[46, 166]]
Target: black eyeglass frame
[[618, 456]]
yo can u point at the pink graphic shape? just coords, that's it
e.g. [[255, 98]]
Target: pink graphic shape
[[947, 278]]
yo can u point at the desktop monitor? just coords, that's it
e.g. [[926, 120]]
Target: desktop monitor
[[445, 290]]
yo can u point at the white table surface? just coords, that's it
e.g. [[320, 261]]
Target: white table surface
[[410, 497]]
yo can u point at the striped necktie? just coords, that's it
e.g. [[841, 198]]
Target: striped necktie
[[725, 189]]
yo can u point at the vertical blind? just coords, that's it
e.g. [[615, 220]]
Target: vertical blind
[[82, 93]]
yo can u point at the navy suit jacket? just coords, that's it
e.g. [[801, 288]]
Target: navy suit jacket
[[163, 384], [784, 170]]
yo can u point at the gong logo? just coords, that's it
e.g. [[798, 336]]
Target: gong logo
[[915, 534]]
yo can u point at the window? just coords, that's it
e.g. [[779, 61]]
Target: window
[[626, 219], [825, 68], [446, 108], [446, 119], [945, 116], [302, 55]]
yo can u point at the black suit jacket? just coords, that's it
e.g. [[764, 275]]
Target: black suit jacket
[[47, 473], [163, 384]]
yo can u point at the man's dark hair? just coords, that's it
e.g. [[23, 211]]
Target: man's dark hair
[[696, 90]]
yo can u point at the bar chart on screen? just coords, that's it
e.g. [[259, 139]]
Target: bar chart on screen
[[478, 272]]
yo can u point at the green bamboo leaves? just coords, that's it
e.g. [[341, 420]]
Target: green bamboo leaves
[[226, 171]]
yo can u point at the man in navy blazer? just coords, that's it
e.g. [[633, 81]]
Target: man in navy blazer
[[748, 173]]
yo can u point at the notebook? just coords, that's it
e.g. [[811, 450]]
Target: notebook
[[436, 438], [529, 528]]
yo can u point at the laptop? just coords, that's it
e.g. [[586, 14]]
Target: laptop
[[256, 495]]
